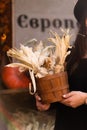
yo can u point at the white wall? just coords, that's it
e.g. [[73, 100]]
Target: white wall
[[37, 17]]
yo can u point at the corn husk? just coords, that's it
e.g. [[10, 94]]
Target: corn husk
[[43, 60]]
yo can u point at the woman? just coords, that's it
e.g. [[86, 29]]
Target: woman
[[71, 112]]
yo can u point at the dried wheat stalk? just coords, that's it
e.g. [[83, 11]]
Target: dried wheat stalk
[[43, 60]]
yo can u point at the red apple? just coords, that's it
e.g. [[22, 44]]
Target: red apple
[[13, 78]]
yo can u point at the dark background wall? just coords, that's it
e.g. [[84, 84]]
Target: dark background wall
[[5, 30]]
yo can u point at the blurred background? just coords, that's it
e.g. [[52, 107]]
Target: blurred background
[[21, 21]]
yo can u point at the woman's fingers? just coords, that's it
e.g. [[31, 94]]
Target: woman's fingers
[[37, 97], [40, 105], [67, 95], [74, 98]]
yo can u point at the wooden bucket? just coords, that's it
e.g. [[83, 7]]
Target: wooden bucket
[[52, 87]]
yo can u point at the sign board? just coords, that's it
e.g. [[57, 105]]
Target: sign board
[[34, 19]]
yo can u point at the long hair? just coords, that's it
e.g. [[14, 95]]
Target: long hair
[[80, 46]]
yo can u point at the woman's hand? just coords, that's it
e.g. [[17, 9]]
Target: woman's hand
[[74, 99], [41, 106]]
